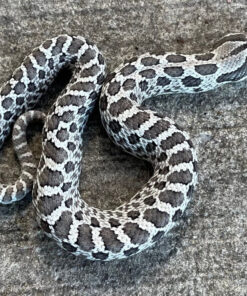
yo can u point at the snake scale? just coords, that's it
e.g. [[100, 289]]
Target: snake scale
[[153, 211]]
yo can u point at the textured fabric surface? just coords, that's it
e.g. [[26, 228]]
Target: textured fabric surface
[[206, 253]]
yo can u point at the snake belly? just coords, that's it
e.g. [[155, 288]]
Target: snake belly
[[132, 227]]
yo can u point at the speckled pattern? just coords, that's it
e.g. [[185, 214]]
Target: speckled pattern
[[206, 254]]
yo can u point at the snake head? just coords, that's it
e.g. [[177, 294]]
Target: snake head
[[233, 37]]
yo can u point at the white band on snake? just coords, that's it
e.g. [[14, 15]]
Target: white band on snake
[[63, 215]]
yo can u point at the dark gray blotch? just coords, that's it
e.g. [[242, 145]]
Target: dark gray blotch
[[18, 74], [136, 234], [75, 45], [175, 199], [133, 214], [84, 240], [183, 177], [19, 88], [53, 178], [31, 71], [174, 71], [175, 58], [238, 49], [57, 154], [143, 85], [40, 57], [7, 102], [95, 222], [157, 128], [129, 84], [47, 204], [158, 218], [149, 200], [133, 139], [93, 70], [127, 70], [180, 157], [57, 49], [135, 121], [111, 240], [100, 256], [171, 141], [69, 167], [114, 222], [6, 89], [88, 55], [206, 69], [163, 81], [85, 86], [62, 226], [47, 44], [149, 61], [148, 73], [62, 134], [123, 104], [191, 81], [113, 88]]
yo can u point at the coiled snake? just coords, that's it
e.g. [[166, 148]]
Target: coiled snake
[[153, 211]]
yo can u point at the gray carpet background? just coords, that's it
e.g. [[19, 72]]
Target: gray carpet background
[[206, 254]]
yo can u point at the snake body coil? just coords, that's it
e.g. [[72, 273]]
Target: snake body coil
[[153, 211]]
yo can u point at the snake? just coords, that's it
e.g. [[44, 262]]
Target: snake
[[61, 212]]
